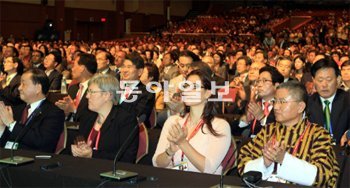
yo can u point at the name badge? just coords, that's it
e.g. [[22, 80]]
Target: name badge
[[182, 166], [275, 178], [9, 145]]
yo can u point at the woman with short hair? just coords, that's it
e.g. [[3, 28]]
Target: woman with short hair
[[106, 131]]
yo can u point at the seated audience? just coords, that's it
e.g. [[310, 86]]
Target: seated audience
[[198, 141], [44, 121], [10, 82], [150, 75], [135, 96], [75, 105], [106, 131], [291, 150], [329, 106], [345, 75], [260, 110], [51, 61], [345, 139]]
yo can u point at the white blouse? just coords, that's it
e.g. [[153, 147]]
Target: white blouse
[[213, 148]]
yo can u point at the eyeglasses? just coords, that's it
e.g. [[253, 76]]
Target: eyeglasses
[[282, 101], [188, 86], [89, 91], [263, 81]]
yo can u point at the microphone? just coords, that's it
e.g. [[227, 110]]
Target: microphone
[[122, 174], [18, 160], [232, 157]]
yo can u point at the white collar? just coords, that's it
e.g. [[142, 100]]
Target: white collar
[[330, 99]]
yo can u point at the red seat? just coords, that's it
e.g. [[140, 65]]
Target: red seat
[[153, 118], [229, 162], [227, 94], [62, 141], [143, 142]]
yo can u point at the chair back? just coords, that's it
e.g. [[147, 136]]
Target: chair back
[[153, 118], [228, 95], [229, 161], [143, 142], [62, 141]]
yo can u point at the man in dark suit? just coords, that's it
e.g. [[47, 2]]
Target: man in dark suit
[[329, 106], [284, 66], [36, 125], [260, 111], [118, 62], [76, 104], [51, 61], [104, 59], [134, 95], [10, 82], [37, 59], [168, 70]]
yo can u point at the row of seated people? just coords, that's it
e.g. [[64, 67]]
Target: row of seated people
[[92, 114]]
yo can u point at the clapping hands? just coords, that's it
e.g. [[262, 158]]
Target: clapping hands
[[82, 148], [177, 134], [273, 152], [66, 104]]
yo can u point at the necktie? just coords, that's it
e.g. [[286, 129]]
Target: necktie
[[8, 80], [127, 92], [25, 114], [266, 112], [327, 115], [78, 96], [266, 108]]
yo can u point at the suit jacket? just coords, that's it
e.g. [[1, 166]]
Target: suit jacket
[[340, 112], [117, 74], [10, 94], [258, 126], [118, 125], [41, 67], [172, 73], [42, 130], [111, 72], [144, 103], [82, 109], [55, 79]]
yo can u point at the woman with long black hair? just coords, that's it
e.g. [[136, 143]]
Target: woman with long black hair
[[197, 141]]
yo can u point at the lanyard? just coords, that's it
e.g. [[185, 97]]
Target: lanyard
[[194, 132], [296, 147], [267, 115], [297, 144], [97, 140]]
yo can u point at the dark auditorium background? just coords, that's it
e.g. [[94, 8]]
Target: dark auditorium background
[[95, 20]]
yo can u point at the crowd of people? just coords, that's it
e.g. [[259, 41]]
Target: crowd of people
[[291, 103]]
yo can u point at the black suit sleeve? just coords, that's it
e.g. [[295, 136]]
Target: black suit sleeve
[[44, 130], [10, 94], [121, 127], [55, 82]]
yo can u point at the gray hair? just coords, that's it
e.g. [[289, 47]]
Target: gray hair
[[295, 89], [108, 83]]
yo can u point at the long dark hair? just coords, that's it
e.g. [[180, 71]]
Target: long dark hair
[[207, 114]]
